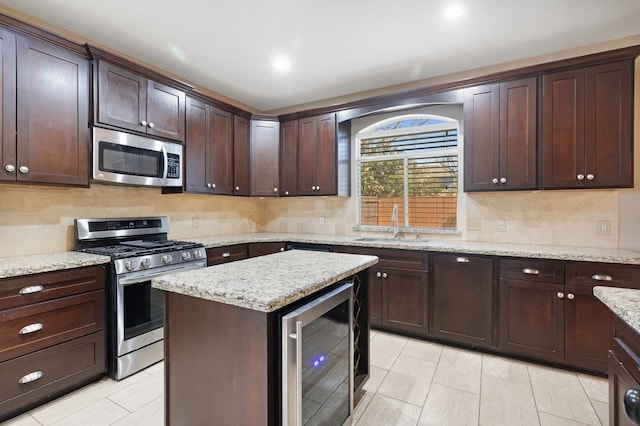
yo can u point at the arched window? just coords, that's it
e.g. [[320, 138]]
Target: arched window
[[409, 161]]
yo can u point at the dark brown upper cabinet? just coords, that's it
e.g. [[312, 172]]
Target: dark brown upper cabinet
[[500, 136], [209, 149], [289, 158], [317, 155], [265, 157], [587, 127], [45, 113], [241, 154], [130, 101]]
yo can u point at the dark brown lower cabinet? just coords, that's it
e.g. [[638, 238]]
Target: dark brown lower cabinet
[[532, 319], [218, 255], [261, 249], [404, 298], [462, 299]]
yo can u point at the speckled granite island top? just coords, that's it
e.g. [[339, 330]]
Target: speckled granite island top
[[266, 283], [624, 302], [582, 254], [47, 262]]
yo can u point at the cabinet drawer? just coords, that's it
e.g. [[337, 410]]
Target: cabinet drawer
[[261, 249], [626, 345], [27, 289], [218, 255], [392, 258], [30, 328], [60, 367], [532, 270], [607, 274]]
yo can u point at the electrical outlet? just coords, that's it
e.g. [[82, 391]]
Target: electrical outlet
[[321, 220], [195, 222], [501, 225], [603, 227]]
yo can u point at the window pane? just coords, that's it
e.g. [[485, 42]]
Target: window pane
[[433, 192], [381, 186]]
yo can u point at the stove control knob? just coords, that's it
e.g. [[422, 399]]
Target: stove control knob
[[186, 255], [128, 265], [145, 263], [166, 259]]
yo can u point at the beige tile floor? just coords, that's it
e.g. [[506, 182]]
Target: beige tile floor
[[412, 382]]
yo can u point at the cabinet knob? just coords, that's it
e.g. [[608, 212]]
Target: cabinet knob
[[144, 123], [580, 176], [313, 188], [571, 296], [226, 254], [602, 277], [384, 275], [213, 186], [151, 125], [281, 248], [10, 168], [560, 295], [286, 192], [462, 259], [379, 274], [494, 180], [275, 189], [318, 188], [237, 188], [590, 177], [503, 180], [24, 169]]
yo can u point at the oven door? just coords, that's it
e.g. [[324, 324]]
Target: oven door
[[317, 360], [140, 308]]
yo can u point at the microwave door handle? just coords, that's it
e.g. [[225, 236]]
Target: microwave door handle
[[165, 156]]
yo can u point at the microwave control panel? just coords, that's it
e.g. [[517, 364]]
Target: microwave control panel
[[173, 166]]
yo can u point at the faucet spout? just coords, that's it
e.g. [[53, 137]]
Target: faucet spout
[[395, 218]]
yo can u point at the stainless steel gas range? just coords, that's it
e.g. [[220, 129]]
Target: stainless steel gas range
[[140, 251]]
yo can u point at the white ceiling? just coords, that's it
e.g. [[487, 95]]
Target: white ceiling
[[336, 47]]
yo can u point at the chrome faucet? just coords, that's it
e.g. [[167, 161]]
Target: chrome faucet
[[395, 219]]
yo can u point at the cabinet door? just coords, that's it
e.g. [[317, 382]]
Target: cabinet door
[[265, 155], [563, 129], [463, 299], [220, 151], [165, 111], [532, 319], [586, 329], [609, 125], [481, 133], [122, 98], [620, 380], [404, 296], [289, 158], [241, 153], [326, 180], [8, 108], [375, 296], [53, 117], [196, 160], [518, 134], [307, 155]]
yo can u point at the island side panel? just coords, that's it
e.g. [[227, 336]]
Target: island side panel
[[217, 363]]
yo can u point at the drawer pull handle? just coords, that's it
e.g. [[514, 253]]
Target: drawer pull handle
[[31, 377], [31, 289], [226, 254], [31, 328], [602, 277], [462, 259], [530, 271]]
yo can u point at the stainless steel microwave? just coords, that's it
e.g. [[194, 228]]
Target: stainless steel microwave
[[125, 158]]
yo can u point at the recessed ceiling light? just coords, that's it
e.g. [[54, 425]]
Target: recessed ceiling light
[[281, 63], [453, 11]]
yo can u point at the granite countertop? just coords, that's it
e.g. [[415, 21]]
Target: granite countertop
[[47, 262], [624, 302], [266, 283], [585, 254]]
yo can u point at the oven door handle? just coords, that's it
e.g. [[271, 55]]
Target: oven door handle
[[146, 277]]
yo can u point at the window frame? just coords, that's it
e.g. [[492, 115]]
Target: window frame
[[370, 132]]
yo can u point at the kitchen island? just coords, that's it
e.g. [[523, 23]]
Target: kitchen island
[[222, 353]]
